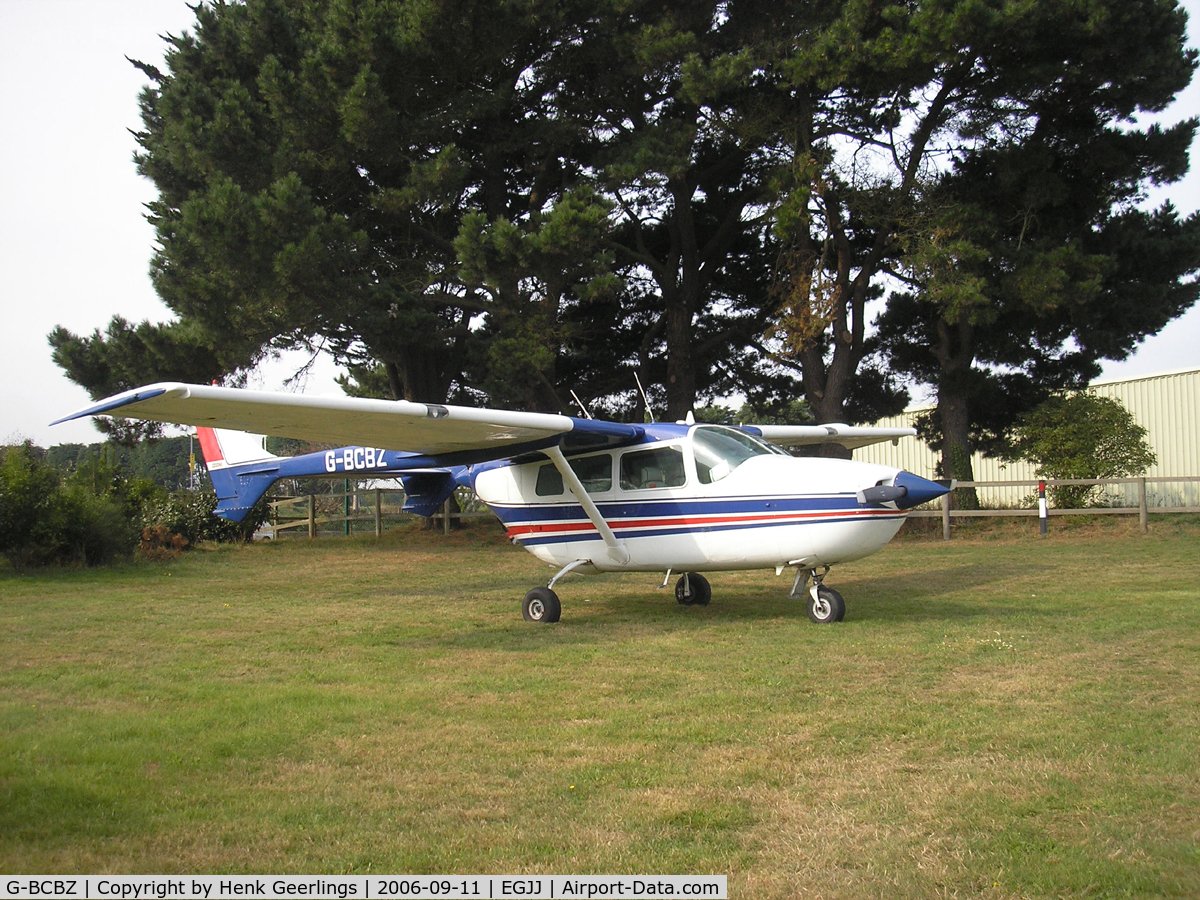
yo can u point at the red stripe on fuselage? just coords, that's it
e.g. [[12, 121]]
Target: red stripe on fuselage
[[517, 531]]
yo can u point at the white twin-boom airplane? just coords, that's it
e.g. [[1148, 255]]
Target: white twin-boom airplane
[[583, 495]]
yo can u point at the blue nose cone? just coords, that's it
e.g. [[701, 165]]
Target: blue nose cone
[[918, 490]]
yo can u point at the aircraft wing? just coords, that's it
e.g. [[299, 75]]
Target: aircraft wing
[[849, 436], [428, 429]]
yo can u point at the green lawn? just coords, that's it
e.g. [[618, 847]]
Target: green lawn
[[997, 717]]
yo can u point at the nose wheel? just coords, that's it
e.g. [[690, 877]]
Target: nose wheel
[[825, 604]]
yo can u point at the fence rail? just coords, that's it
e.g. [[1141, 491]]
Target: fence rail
[[1142, 510], [361, 511], [370, 510]]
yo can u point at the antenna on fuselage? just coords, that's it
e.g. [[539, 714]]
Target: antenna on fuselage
[[645, 399], [580, 404]]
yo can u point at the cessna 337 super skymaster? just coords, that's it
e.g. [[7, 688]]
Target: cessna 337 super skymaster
[[583, 495]]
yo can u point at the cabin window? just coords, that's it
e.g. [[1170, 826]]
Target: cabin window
[[549, 481], [661, 467], [721, 450], [594, 471]]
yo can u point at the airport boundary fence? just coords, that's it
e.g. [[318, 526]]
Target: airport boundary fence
[[365, 509], [1139, 497], [369, 509]]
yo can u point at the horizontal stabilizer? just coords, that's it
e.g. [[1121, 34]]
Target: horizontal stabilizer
[[425, 492]]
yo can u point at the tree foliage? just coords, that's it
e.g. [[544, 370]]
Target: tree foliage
[[1019, 258], [500, 202], [166, 462], [90, 516], [1081, 435]]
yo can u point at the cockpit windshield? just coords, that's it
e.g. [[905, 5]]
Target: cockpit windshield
[[721, 450]]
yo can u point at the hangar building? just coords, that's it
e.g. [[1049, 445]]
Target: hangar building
[[1167, 405]]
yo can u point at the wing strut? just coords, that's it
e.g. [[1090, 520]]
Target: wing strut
[[616, 550]]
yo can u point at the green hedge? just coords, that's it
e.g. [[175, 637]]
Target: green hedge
[[94, 514]]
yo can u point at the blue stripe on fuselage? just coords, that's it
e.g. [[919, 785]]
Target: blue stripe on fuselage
[[615, 511], [564, 523]]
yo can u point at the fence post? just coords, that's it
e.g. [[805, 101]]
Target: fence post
[[1143, 512], [312, 516], [1043, 512], [378, 516], [446, 517], [946, 515]]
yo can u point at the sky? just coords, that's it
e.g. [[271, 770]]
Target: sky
[[75, 246]]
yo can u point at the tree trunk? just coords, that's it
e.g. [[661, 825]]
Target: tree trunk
[[681, 364], [826, 387], [681, 299], [421, 377], [955, 418], [955, 354]]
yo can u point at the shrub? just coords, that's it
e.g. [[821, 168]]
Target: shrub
[[27, 496], [1081, 436], [91, 516], [159, 543], [190, 515]]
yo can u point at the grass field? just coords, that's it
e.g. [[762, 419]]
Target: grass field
[[1000, 716]]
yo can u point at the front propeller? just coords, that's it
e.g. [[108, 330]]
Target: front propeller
[[906, 491]]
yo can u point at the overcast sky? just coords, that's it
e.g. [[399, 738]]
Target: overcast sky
[[75, 246]]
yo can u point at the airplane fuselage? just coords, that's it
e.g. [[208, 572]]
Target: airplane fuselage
[[676, 504]]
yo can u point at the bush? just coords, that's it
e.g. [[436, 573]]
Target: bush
[[190, 515], [92, 516], [159, 543], [1081, 436], [27, 497]]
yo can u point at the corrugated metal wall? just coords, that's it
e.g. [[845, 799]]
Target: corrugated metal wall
[[1166, 405]]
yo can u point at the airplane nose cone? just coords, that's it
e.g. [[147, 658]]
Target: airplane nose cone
[[918, 490]]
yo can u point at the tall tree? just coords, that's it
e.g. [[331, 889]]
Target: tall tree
[[393, 180], [1029, 261], [314, 161], [688, 193], [888, 96]]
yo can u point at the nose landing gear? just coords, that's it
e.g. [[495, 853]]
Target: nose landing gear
[[824, 603]]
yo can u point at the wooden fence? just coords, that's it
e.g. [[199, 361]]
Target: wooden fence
[[371, 510], [363, 511], [1142, 510]]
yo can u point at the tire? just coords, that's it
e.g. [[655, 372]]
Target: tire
[[828, 607], [541, 605], [693, 590]]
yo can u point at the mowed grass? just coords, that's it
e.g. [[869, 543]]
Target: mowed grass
[[1002, 716]]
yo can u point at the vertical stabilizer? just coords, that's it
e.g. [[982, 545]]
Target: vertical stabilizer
[[240, 467], [223, 448]]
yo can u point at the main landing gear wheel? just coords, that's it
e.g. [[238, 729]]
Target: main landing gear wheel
[[693, 590], [541, 605], [826, 606]]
